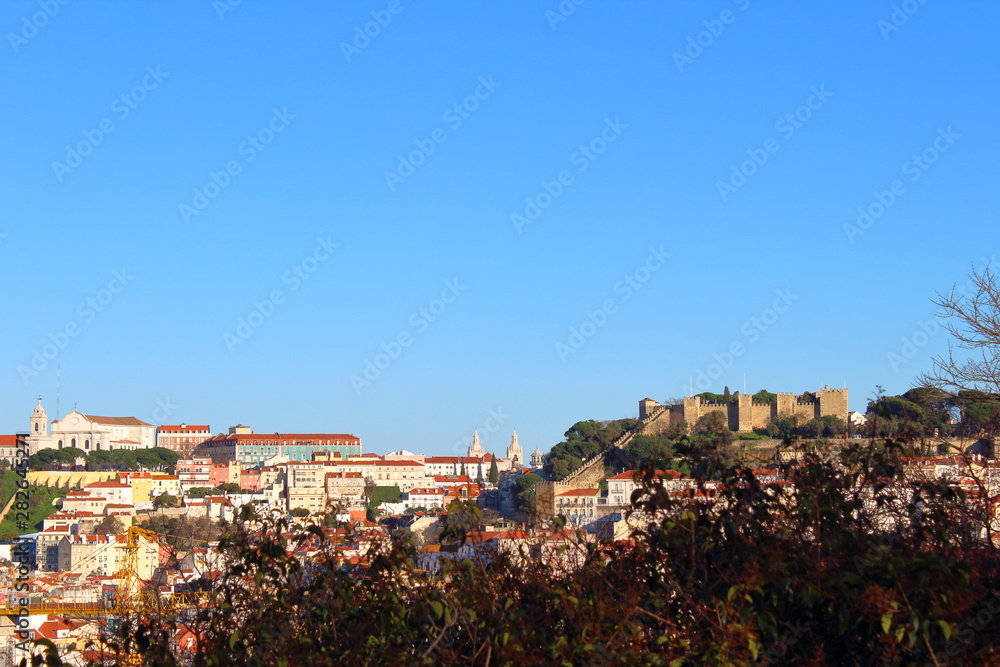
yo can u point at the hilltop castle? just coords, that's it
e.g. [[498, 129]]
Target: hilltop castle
[[745, 414]]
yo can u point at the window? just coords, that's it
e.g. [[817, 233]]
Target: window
[[60, 444], [72, 443]]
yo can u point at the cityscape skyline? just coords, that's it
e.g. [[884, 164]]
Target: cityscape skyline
[[404, 220]]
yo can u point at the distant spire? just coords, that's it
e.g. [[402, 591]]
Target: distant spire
[[514, 451], [476, 449]]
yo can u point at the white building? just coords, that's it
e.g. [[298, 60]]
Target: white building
[[427, 498], [86, 554], [88, 432]]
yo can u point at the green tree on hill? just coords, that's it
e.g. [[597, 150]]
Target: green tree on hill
[[111, 525], [584, 440]]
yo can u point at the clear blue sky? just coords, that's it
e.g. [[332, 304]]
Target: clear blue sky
[[310, 127]]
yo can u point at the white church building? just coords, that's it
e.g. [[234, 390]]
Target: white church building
[[88, 432]]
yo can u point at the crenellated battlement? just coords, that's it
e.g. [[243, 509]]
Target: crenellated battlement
[[746, 414]]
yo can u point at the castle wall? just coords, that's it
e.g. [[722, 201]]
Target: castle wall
[[833, 402], [745, 415], [761, 414]]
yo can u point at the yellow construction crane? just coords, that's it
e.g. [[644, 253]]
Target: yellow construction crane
[[131, 599]]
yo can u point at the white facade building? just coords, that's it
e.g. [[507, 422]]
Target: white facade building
[[88, 432]]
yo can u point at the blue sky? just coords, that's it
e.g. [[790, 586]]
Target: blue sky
[[220, 213]]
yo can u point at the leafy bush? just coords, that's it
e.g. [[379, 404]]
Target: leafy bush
[[764, 575]]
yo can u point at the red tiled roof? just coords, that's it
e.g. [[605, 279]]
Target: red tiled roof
[[452, 459], [630, 474], [117, 421], [580, 492], [283, 438]]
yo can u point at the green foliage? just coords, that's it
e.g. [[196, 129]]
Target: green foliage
[[45, 458], [166, 500], [527, 481], [724, 398], [916, 415], [183, 533], [494, 473], [980, 413], [783, 428], [300, 512], [764, 396], [715, 422], [39, 507], [766, 575], [155, 458], [647, 450], [380, 494], [827, 426], [111, 525], [463, 518], [228, 487], [584, 440], [524, 497], [199, 492]]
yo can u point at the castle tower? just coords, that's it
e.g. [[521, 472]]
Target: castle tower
[[514, 449], [39, 421], [475, 449]]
